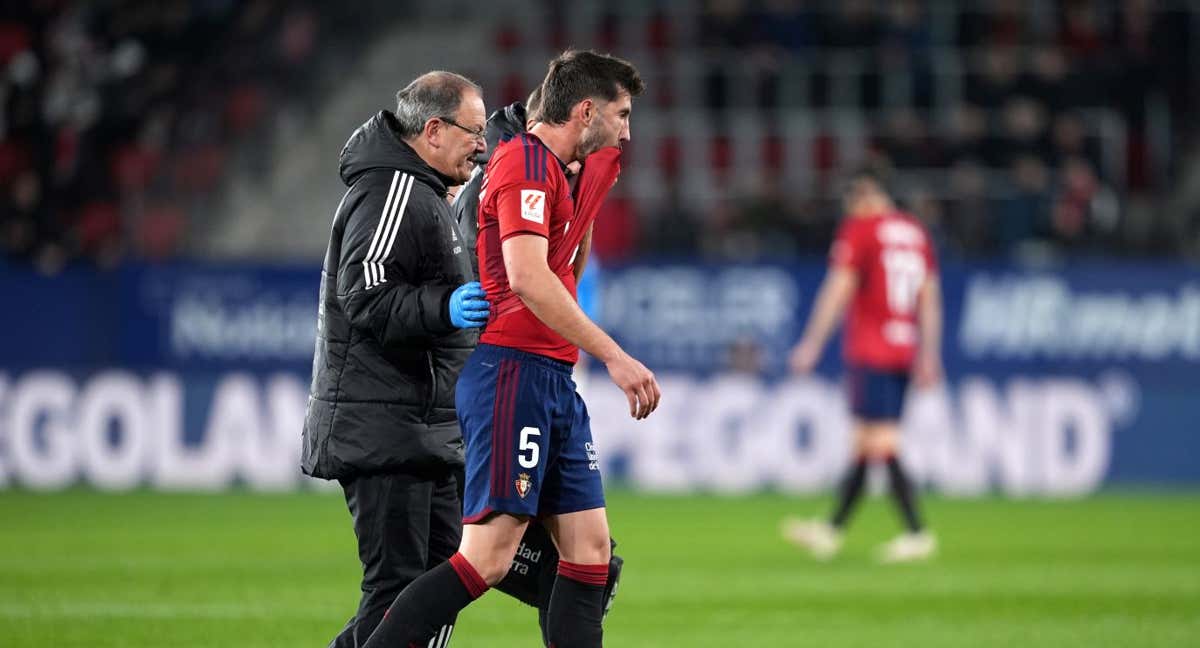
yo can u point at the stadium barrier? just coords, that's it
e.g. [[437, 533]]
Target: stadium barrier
[[194, 377]]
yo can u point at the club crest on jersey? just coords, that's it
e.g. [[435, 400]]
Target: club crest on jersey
[[533, 205], [523, 484]]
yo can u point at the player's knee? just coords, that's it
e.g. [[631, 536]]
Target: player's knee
[[879, 444], [491, 558], [494, 569], [876, 452], [887, 448], [492, 564], [599, 551], [880, 453], [595, 549]]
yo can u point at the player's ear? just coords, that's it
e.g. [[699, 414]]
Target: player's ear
[[587, 111]]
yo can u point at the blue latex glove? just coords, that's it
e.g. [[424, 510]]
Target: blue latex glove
[[469, 306]]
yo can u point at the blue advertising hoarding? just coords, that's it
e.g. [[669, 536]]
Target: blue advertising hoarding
[[194, 376]]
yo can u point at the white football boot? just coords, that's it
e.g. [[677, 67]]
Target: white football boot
[[818, 536], [908, 547]]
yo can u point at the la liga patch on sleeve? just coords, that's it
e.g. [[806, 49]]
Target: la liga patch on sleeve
[[533, 205]]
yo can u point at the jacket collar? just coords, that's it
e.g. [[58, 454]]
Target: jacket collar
[[375, 145]]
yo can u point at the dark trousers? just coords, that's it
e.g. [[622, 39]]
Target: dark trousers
[[406, 524]]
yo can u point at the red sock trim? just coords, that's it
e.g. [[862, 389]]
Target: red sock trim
[[589, 574], [470, 578]]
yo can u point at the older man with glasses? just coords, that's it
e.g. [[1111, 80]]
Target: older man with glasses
[[397, 303]]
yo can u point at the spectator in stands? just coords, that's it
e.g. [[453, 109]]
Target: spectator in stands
[[906, 142], [995, 77], [1021, 218], [1085, 211], [1024, 130], [21, 218], [965, 138], [969, 213], [1069, 139], [671, 228]]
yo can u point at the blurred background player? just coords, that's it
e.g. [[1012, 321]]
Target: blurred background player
[[882, 267]]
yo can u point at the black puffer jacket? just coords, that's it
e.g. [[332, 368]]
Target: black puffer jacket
[[387, 357]]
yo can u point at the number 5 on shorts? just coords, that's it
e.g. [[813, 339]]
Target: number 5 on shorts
[[529, 444]]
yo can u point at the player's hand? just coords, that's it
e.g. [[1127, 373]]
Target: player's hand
[[638, 383], [804, 357], [927, 371], [468, 306]]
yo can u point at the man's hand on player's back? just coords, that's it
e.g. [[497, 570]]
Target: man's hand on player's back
[[638, 383]]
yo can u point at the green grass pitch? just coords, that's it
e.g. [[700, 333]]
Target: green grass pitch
[[143, 569]]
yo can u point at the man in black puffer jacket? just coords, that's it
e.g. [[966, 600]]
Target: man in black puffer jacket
[[398, 301]]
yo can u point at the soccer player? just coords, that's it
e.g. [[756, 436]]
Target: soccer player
[[529, 446], [534, 569], [882, 267]]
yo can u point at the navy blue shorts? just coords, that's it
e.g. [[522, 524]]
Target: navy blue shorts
[[876, 394], [528, 437]]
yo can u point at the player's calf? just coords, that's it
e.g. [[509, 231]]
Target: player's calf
[[535, 570], [577, 602], [428, 604], [577, 606], [436, 598]]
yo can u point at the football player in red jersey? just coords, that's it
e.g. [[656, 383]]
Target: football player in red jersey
[[884, 271], [529, 451]]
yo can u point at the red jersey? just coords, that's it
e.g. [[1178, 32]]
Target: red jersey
[[892, 256], [525, 191]]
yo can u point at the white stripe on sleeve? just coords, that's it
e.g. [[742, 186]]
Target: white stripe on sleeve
[[393, 226], [384, 216]]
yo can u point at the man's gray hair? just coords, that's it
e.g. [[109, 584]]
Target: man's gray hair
[[433, 94]]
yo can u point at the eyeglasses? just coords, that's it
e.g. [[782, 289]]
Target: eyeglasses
[[477, 134]]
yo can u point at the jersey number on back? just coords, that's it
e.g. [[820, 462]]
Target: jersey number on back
[[905, 270]]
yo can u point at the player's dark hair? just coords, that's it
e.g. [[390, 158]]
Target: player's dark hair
[[533, 105], [865, 175], [576, 75]]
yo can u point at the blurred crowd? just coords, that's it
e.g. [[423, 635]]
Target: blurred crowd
[[118, 119], [1011, 160], [1009, 126]]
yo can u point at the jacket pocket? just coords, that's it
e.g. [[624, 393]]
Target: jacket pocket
[[432, 397]]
